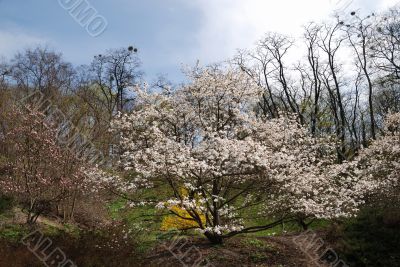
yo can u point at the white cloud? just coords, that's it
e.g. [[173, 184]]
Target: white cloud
[[15, 40], [388, 3], [231, 24]]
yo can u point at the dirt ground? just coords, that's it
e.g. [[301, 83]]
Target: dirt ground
[[240, 251], [268, 251]]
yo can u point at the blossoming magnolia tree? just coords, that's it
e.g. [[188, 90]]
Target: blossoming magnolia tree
[[206, 138], [39, 173], [376, 170], [42, 174]]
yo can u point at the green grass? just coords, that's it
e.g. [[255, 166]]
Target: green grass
[[258, 257], [72, 229], [254, 242], [150, 218], [146, 217], [13, 233]]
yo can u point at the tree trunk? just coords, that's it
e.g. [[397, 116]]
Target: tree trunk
[[71, 214], [214, 238], [303, 225]]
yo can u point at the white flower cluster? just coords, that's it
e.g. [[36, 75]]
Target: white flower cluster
[[221, 229], [97, 179]]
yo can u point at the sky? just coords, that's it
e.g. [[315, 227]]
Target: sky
[[169, 34]]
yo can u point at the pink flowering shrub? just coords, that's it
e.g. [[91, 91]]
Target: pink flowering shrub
[[40, 175]]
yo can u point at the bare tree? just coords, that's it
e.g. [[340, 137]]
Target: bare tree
[[267, 67], [359, 35], [330, 42], [43, 70], [314, 64], [386, 46], [277, 46], [258, 65], [4, 72], [113, 73]]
